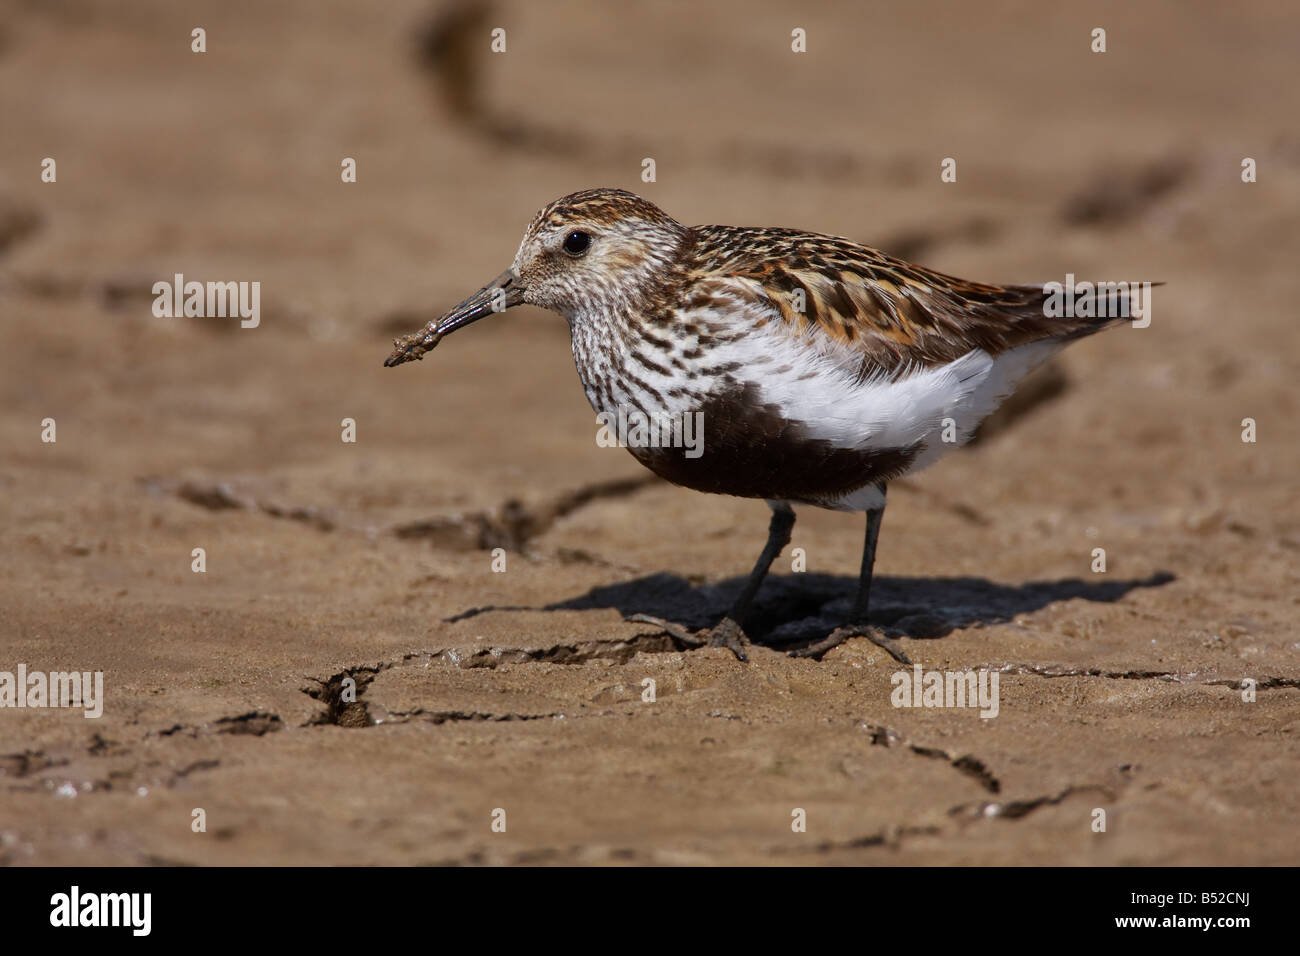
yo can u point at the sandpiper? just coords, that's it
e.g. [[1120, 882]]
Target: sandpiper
[[823, 369]]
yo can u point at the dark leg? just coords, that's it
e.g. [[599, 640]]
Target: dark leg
[[863, 600], [778, 536], [729, 633], [858, 626]]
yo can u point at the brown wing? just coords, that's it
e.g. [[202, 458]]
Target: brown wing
[[896, 313]]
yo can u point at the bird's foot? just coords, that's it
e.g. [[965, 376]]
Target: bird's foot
[[730, 635], [675, 631], [727, 634], [841, 634]]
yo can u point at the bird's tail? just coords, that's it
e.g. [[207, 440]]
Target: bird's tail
[[1075, 310]]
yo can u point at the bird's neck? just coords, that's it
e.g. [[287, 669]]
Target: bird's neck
[[613, 357]]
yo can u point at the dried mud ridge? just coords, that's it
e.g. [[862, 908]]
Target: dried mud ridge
[[972, 767], [14, 766], [30, 763], [1052, 670], [620, 650], [798, 609], [808, 612], [454, 716], [892, 837], [511, 526], [222, 496], [1015, 809], [355, 713], [151, 772], [33, 765], [889, 837], [255, 723]]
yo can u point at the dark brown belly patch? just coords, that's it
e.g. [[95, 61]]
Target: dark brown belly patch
[[752, 451]]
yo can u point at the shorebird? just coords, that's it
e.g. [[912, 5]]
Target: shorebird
[[822, 369]]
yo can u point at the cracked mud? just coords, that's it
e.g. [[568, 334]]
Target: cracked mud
[[359, 676]]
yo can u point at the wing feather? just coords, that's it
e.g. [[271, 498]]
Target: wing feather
[[897, 315]]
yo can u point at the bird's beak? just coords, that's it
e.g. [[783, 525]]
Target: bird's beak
[[500, 294]]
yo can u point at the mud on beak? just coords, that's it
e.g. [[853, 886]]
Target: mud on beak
[[503, 292], [498, 295]]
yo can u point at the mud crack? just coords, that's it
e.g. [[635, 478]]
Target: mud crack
[[254, 722], [222, 496], [341, 695], [455, 716], [1015, 809], [513, 524], [886, 837], [1054, 670], [1261, 683], [620, 650], [195, 767], [26, 763], [967, 764]]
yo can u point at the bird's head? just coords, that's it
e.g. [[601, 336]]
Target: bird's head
[[592, 252], [586, 256]]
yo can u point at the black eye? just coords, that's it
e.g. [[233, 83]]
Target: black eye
[[576, 243]]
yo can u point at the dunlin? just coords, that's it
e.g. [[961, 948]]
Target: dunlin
[[822, 369]]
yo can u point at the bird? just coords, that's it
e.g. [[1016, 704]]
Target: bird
[[820, 369]]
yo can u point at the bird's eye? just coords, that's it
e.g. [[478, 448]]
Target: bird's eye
[[576, 243]]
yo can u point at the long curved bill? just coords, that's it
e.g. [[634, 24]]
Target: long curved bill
[[503, 292]]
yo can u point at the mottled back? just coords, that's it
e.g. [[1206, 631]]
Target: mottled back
[[899, 315]]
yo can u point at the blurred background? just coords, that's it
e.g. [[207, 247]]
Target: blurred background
[[325, 557]]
